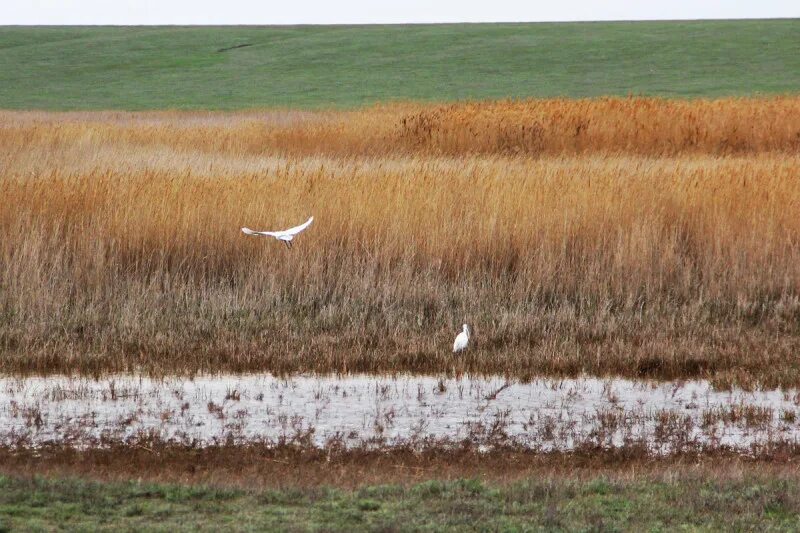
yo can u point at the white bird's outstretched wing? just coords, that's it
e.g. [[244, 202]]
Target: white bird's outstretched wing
[[286, 234], [248, 231], [297, 229]]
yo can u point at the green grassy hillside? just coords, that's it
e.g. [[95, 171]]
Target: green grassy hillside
[[210, 67]]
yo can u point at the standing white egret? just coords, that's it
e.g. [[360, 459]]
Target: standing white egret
[[462, 339], [284, 235]]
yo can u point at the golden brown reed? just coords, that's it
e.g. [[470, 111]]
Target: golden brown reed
[[643, 126], [661, 240]]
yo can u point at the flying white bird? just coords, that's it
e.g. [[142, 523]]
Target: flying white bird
[[462, 339], [284, 235]]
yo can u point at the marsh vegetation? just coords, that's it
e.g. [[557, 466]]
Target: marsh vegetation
[[630, 268], [636, 237]]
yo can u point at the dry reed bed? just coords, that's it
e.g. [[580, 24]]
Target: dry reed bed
[[659, 240], [642, 126]]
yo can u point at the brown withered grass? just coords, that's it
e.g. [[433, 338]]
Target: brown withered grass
[[267, 467], [638, 237]]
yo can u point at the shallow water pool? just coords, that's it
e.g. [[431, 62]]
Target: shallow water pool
[[380, 411]]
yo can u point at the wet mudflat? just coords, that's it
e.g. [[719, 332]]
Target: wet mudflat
[[385, 411]]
